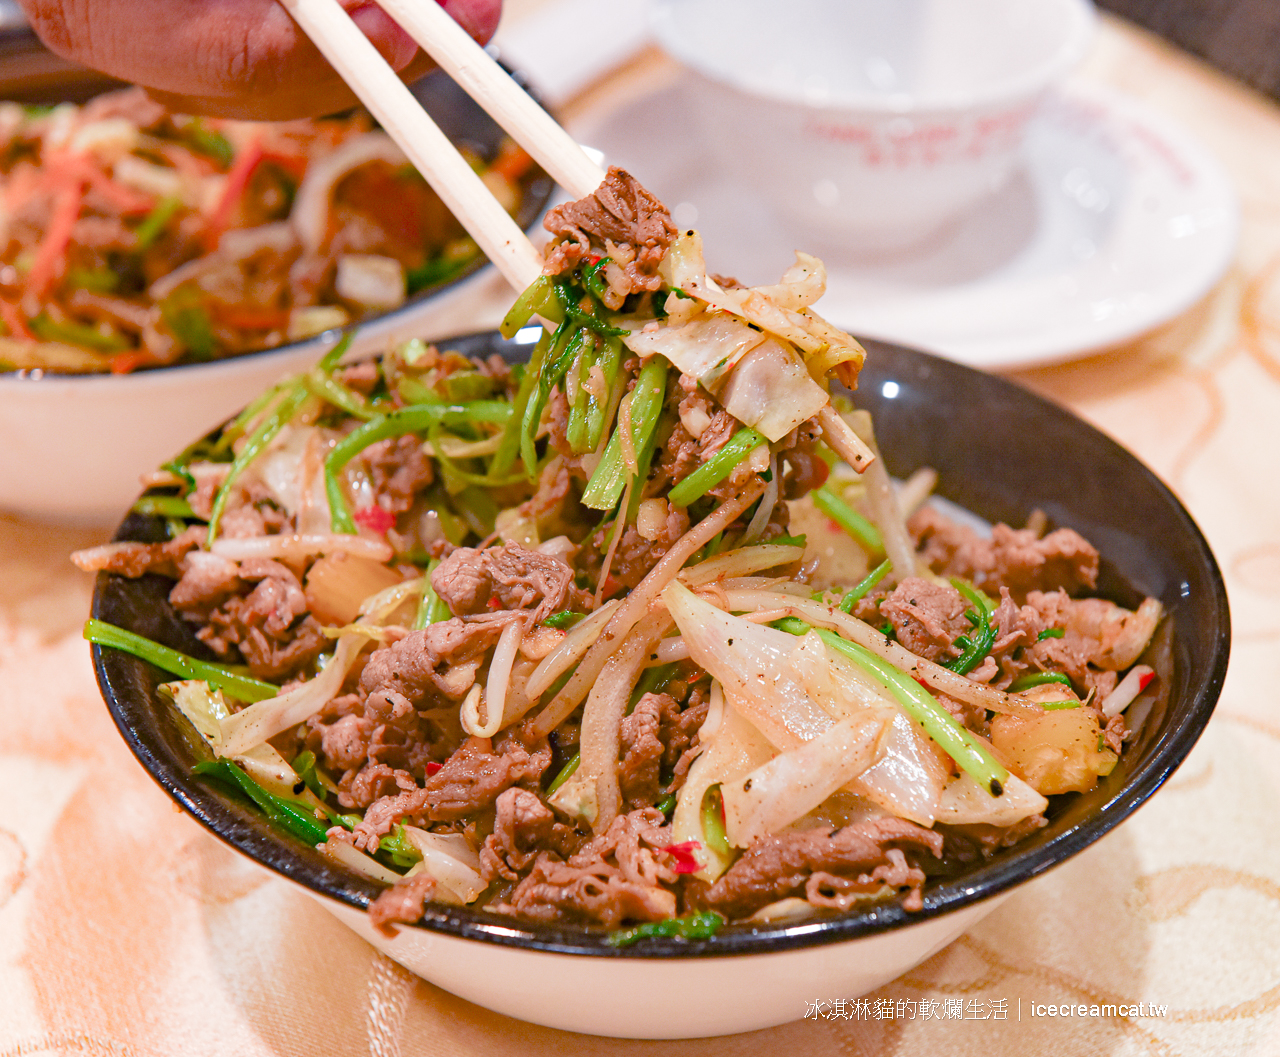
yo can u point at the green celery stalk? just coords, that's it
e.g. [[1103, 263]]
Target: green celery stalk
[[566, 772], [431, 609], [979, 646], [174, 506], [538, 298], [610, 364], [698, 925], [864, 585], [78, 334], [509, 450], [646, 399], [1026, 682], [415, 418], [298, 818]]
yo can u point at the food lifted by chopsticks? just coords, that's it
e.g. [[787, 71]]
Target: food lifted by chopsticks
[[547, 639], [134, 237]]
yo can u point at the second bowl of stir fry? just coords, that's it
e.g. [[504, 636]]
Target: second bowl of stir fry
[[140, 241]]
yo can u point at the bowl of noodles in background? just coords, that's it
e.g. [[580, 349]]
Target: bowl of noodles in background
[[160, 270], [1000, 453]]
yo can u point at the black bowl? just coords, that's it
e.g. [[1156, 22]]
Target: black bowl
[[1001, 452]]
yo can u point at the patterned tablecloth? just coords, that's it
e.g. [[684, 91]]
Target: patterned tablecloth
[[126, 929]]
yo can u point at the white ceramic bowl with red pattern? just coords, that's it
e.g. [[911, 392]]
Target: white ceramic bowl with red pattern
[[872, 124]]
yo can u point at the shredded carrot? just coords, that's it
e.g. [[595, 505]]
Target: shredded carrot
[[294, 164], [13, 318], [50, 258], [237, 180], [127, 362], [512, 162], [249, 317]]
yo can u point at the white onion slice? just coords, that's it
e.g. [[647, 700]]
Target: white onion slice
[[265, 719], [354, 859], [731, 747], [753, 664], [592, 793], [793, 783], [741, 561], [964, 801], [932, 675], [450, 860]]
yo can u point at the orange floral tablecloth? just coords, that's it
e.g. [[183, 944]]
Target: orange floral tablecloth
[[125, 929]]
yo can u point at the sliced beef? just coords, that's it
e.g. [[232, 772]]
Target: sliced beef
[[402, 903], [658, 738], [468, 782], [523, 827], [640, 772], [635, 554], [1014, 558], [927, 617], [679, 735], [509, 577], [840, 892], [269, 625], [781, 865], [438, 660], [619, 212], [615, 877], [207, 579], [1095, 633], [398, 470], [134, 559]]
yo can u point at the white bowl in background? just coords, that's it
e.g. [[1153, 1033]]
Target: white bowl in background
[[870, 124], [72, 447]]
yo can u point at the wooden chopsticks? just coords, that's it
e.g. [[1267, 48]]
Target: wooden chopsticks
[[358, 63], [498, 95]]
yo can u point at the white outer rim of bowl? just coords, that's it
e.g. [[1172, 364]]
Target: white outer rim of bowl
[[1072, 51]]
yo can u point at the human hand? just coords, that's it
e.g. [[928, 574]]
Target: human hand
[[230, 58]]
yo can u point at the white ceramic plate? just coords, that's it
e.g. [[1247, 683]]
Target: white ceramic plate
[[1117, 221]]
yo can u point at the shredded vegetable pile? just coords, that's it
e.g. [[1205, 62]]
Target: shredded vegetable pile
[[621, 636], [133, 237]]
